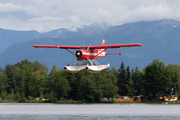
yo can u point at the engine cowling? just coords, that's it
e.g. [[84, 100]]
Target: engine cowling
[[78, 54]]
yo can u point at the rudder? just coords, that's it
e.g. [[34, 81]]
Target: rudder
[[103, 42]]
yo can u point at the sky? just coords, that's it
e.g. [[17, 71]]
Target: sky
[[46, 15]]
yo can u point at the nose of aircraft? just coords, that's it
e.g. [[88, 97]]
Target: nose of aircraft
[[78, 54]]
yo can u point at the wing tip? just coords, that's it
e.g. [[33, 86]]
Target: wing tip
[[35, 46], [141, 44]]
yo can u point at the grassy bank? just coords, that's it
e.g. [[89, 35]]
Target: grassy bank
[[82, 102]]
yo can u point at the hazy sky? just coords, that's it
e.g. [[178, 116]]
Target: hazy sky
[[46, 15]]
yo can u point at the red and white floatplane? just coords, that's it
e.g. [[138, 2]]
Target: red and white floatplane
[[88, 53]]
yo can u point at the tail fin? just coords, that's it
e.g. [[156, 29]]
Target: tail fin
[[103, 42]]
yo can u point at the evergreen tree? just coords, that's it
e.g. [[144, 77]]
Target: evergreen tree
[[73, 83], [52, 97], [17, 96], [40, 79], [121, 76], [107, 83], [137, 82], [27, 71], [58, 83], [128, 83], [3, 81], [87, 89], [22, 97], [173, 83], [152, 80], [14, 74]]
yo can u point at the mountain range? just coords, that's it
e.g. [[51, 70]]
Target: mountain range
[[161, 39]]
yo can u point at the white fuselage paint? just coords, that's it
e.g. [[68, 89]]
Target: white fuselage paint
[[94, 54]]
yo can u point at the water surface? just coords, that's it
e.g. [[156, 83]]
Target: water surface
[[29, 111]]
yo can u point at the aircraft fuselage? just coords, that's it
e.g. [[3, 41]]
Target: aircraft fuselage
[[86, 54]]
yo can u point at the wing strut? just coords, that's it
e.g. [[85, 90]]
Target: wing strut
[[101, 52], [69, 51]]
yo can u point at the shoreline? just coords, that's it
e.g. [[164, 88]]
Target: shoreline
[[87, 102]]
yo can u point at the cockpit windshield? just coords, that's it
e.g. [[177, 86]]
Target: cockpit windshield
[[84, 48]]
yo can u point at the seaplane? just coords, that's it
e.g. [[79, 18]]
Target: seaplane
[[88, 53]]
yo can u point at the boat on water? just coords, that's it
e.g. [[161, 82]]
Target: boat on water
[[171, 99]]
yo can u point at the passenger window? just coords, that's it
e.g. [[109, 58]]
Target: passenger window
[[84, 48]]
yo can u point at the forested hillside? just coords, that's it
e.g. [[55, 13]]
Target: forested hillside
[[27, 80]]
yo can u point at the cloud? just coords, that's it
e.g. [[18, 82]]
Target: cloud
[[149, 13], [45, 15], [75, 19], [46, 19], [9, 7]]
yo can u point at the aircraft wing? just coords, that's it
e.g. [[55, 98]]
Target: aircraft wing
[[57, 46], [90, 47], [114, 46]]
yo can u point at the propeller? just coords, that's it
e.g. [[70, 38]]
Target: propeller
[[78, 54]]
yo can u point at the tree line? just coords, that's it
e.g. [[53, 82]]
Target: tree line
[[28, 80]]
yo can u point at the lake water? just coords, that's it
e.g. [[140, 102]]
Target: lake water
[[30, 111]]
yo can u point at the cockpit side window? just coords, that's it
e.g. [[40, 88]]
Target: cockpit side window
[[84, 48], [91, 50]]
